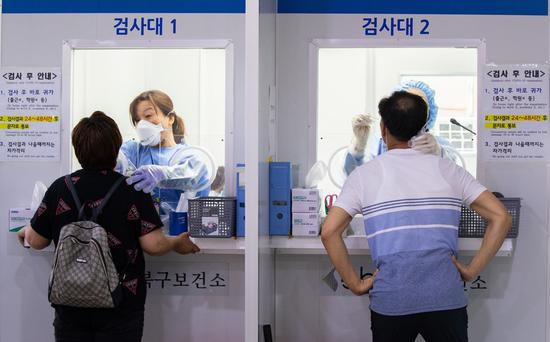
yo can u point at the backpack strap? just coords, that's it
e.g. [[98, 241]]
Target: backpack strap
[[79, 206], [97, 211]]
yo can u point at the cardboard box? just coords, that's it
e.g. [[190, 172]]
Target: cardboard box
[[306, 224], [305, 201]]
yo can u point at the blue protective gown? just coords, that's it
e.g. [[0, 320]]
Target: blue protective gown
[[169, 190]]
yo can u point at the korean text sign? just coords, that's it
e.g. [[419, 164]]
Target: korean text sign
[[515, 113], [30, 111]]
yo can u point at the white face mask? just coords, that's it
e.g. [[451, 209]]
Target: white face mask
[[148, 133]]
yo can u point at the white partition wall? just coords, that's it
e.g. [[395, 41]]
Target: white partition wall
[[260, 108], [267, 95], [252, 171], [37, 34], [512, 306]]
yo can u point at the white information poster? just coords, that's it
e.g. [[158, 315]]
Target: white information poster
[[19, 218], [515, 113], [30, 103]]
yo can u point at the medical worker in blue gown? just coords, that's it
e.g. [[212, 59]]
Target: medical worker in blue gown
[[424, 141], [154, 163]]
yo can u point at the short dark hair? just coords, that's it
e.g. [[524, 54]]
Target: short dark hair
[[96, 141], [404, 114]]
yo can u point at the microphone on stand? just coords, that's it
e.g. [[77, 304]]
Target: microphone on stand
[[454, 122]]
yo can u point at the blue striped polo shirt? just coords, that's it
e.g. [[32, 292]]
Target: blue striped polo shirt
[[411, 204]]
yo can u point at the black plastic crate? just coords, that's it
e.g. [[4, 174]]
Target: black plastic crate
[[473, 226], [212, 217]]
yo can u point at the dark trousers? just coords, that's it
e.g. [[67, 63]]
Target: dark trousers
[[435, 326], [98, 325]]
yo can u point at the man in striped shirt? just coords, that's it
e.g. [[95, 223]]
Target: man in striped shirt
[[411, 208]]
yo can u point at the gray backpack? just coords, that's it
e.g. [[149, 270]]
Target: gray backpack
[[83, 273]]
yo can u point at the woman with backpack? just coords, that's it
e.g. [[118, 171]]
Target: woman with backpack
[[101, 226]]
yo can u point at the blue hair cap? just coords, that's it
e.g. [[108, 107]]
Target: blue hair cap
[[430, 97]]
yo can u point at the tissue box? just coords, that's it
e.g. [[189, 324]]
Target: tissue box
[[305, 224], [305, 201]]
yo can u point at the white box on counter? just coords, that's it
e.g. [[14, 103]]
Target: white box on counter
[[306, 224], [305, 200]]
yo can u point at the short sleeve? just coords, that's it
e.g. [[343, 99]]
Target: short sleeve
[[43, 220], [462, 181], [145, 211], [349, 198]]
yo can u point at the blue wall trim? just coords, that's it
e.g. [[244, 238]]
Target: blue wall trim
[[123, 6], [465, 7]]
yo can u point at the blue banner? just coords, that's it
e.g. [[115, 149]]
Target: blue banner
[[462, 7], [123, 6]]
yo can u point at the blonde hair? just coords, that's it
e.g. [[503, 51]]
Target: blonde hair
[[163, 102]]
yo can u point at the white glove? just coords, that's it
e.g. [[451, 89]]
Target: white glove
[[426, 143], [124, 165], [361, 125]]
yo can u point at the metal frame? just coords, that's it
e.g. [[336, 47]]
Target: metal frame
[[251, 139], [67, 89]]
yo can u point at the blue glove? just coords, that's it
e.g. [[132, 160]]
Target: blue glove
[[147, 177]]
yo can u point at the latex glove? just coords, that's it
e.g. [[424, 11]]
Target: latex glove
[[361, 125], [124, 165], [147, 177], [426, 143]]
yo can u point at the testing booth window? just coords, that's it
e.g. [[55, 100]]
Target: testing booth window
[[352, 81], [195, 79]]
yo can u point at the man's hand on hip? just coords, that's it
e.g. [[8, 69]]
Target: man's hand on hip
[[466, 271], [364, 285]]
